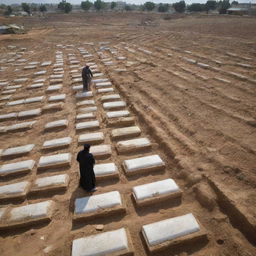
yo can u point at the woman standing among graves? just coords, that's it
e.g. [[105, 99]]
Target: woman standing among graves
[[86, 163], [87, 76]]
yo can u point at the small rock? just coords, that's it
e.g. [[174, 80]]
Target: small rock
[[99, 227]]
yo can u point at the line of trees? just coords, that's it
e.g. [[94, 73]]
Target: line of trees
[[98, 5]]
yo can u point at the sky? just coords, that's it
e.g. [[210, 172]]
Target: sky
[[127, 1]]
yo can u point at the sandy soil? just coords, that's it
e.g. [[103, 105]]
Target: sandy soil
[[201, 119]]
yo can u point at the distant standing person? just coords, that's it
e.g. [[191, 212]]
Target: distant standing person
[[86, 163], [87, 76]]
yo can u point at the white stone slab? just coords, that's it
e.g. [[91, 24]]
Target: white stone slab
[[51, 182], [30, 113], [86, 102], [32, 212], [57, 143], [132, 145], [10, 87], [56, 124], [16, 102], [77, 87], [41, 80], [20, 126], [97, 74], [18, 150], [52, 88], [39, 73], [107, 243], [59, 97], [101, 151], [46, 63], [146, 163], [127, 131], [115, 104], [104, 90], [54, 161], [87, 109], [100, 80], [105, 170], [110, 97], [84, 95], [34, 99], [85, 116], [8, 116], [96, 203], [5, 97], [2, 212], [9, 91], [169, 229], [103, 84], [57, 76], [87, 125], [14, 190], [115, 114], [158, 189], [53, 106], [91, 138], [20, 80], [18, 167], [30, 67]]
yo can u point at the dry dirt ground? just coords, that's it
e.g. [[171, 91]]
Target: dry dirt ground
[[190, 83]]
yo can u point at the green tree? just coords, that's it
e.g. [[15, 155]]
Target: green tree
[[26, 8], [86, 5], [163, 7], [179, 6], [210, 5], [98, 5], [224, 5], [234, 3], [113, 5], [64, 6], [149, 6], [8, 11], [196, 7], [42, 8], [128, 7]]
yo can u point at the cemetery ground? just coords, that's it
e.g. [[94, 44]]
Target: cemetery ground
[[171, 120]]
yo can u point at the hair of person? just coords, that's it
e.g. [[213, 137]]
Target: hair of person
[[87, 147]]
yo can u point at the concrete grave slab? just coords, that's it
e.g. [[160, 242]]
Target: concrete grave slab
[[125, 132], [77, 87], [5, 97], [57, 76], [156, 191], [46, 63], [9, 91], [84, 95], [88, 125], [114, 105], [116, 114], [77, 80], [98, 204], [51, 183], [53, 107], [16, 102], [103, 84], [2, 212], [56, 81], [114, 243], [15, 190], [122, 121], [86, 102], [61, 142], [91, 138], [17, 151], [85, 116], [105, 90], [56, 124], [17, 167], [171, 231], [30, 67], [13, 87], [40, 73], [8, 116], [87, 109], [30, 113], [53, 88], [110, 97], [29, 214], [108, 170], [21, 126], [100, 80], [133, 145], [98, 74], [101, 151], [20, 80], [142, 164], [59, 97], [54, 161], [34, 99]]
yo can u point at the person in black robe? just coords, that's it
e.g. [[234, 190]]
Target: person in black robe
[[86, 163], [86, 75]]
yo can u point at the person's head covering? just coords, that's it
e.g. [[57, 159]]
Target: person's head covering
[[87, 147], [87, 66]]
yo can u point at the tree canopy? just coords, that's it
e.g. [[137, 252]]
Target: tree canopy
[[149, 6], [64, 6], [86, 5], [26, 8], [98, 5], [163, 7], [42, 8], [179, 6]]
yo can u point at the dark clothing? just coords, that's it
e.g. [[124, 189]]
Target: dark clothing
[[87, 176], [86, 75]]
